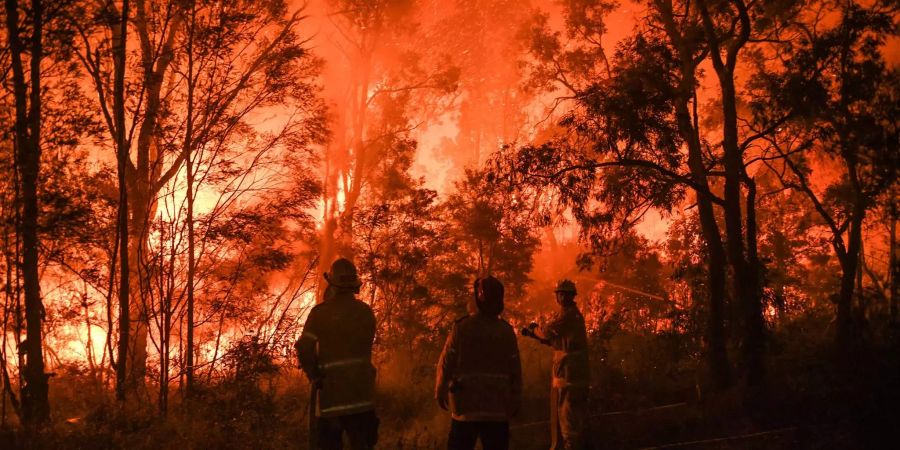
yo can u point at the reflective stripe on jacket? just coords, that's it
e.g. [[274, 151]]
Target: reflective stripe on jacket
[[336, 349], [481, 370]]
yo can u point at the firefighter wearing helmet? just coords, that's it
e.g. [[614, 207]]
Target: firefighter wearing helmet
[[479, 376], [335, 353], [565, 333]]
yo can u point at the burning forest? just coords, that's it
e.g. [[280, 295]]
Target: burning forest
[[423, 224]]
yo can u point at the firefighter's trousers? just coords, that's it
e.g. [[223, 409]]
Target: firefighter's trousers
[[464, 435], [568, 417], [361, 429]]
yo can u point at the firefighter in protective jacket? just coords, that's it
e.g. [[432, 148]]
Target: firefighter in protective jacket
[[479, 376], [335, 352], [565, 333]]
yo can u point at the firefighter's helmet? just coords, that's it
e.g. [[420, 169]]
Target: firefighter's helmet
[[489, 295], [343, 274], [566, 286]]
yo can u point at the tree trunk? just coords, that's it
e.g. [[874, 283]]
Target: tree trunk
[[189, 167], [850, 260], [849, 265], [136, 362], [10, 292], [189, 313], [329, 225], [745, 283], [143, 187], [122, 147], [165, 335], [859, 312], [715, 330], [35, 405], [717, 353], [344, 164], [754, 314], [893, 267]]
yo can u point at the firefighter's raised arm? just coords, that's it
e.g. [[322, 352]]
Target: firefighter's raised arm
[[530, 332], [551, 329]]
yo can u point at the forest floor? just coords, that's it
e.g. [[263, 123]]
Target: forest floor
[[805, 404], [229, 422]]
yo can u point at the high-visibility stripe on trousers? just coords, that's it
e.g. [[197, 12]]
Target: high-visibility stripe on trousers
[[344, 362], [350, 407]]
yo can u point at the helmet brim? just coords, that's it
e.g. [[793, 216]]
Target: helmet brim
[[354, 284]]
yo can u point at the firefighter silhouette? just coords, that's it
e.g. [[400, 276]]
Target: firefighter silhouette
[[565, 333], [479, 375], [335, 353]]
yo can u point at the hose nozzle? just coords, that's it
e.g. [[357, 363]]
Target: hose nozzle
[[529, 332]]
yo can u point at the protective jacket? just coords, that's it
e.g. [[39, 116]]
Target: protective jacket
[[335, 350], [568, 337], [481, 370]]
